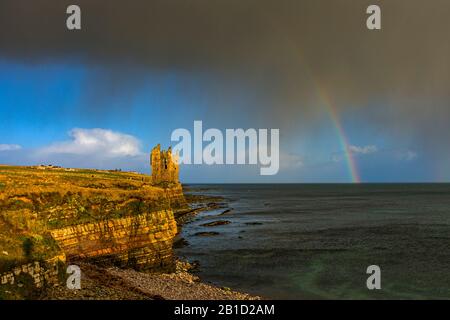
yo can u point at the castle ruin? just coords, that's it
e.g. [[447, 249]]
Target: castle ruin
[[164, 166]]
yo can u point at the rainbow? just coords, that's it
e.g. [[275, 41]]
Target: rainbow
[[333, 112], [343, 139]]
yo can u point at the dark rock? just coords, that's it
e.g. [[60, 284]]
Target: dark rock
[[216, 223], [206, 234], [180, 243], [253, 223]]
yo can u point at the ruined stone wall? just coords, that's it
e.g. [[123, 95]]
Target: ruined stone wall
[[41, 275], [142, 241], [165, 168]]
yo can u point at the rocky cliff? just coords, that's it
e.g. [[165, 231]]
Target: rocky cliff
[[107, 216], [142, 241]]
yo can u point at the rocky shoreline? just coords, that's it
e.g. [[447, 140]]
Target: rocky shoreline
[[112, 283], [99, 283]]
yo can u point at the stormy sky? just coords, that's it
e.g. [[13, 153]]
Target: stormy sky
[[246, 63]]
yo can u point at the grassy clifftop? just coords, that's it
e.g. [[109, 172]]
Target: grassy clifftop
[[35, 200]]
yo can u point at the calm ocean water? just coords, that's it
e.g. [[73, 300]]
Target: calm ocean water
[[308, 241]]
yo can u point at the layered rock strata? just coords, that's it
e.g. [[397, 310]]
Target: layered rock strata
[[143, 241]]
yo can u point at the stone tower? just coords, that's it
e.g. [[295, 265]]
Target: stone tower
[[164, 166]]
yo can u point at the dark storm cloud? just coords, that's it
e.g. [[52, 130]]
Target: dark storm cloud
[[278, 49]]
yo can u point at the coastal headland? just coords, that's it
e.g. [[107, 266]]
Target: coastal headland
[[119, 227]]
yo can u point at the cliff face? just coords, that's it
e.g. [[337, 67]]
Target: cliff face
[[142, 241], [175, 196], [109, 216]]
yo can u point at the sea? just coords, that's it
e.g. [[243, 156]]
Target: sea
[[317, 241]]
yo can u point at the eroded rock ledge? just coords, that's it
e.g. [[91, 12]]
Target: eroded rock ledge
[[143, 241]]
